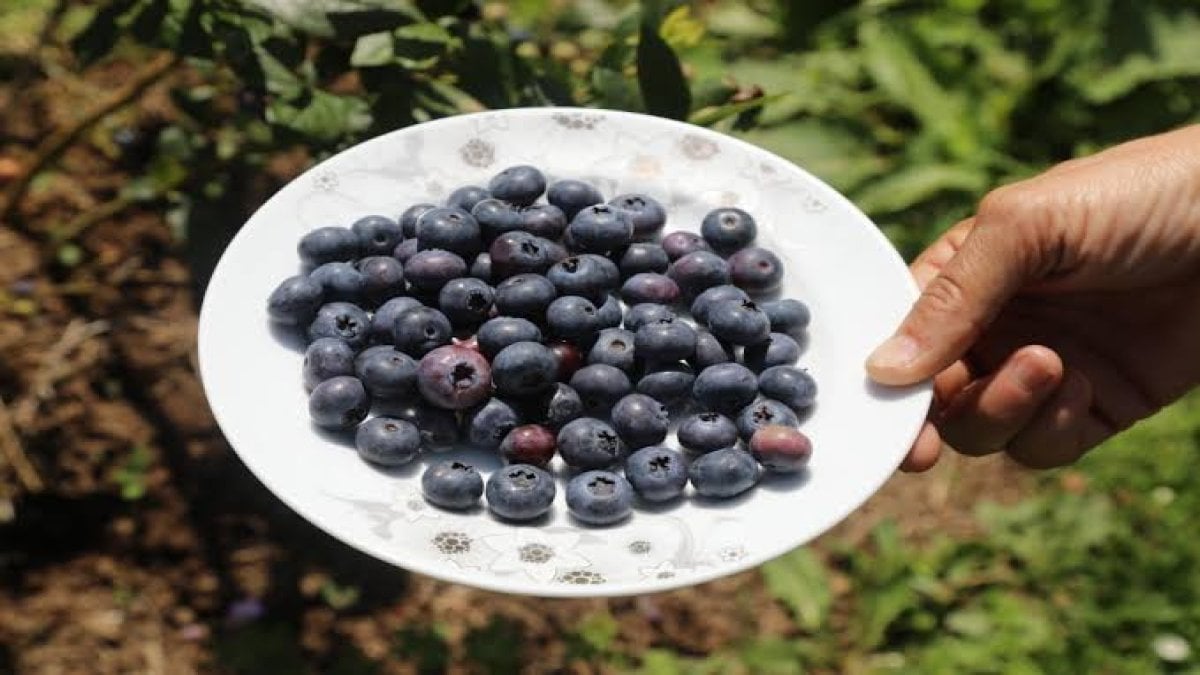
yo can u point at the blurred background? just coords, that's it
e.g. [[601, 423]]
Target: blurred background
[[137, 135]]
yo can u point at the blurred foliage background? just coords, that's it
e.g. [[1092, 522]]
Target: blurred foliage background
[[913, 109]]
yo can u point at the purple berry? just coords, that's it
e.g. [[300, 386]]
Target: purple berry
[[679, 244], [529, 444], [519, 252], [756, 270], [699, 271], [454, 378], [781, 449], [650, 287], [429, 270]]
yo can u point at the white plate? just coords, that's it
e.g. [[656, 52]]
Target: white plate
[[836, 261]]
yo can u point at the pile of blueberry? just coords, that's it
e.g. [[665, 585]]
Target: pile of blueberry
[[534, 329]]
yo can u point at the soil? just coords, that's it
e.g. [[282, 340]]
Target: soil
[[133, 540]]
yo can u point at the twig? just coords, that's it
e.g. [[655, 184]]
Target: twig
[[89, 218], [58, 141], [55, 367], [14, 453]]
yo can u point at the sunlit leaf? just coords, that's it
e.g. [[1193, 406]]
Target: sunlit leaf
[[799, 580]]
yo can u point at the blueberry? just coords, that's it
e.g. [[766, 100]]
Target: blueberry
[[794, 387], [405, 250], [599, 497], [572, 196], [524, 368], [544, 220], [495, 218], [699, 271], [640, 258], [559, 406], [438, 427], [326, 358], [341, 320], [706, 432], [590, 276], [420, 330], [657, 474], [481, 268], [778, 350], [340, 282], [781, 449], [650, 287], [518, 185], [387, 374], [519, 252], [723, 473], [339, 403], [614, 347], [490, 423], [572, 317], [327, 244], [529, 444], [387, 441], [467, 197], [671, 383], [502, 331], [764, 412], [377, 235], [568, 357], [589, 443], [640, 420], [430, 270], [725, 387], [454, 378], [408, 219], [673, 341], [383, 324], [710, 351], [647, 215], [525, 295], [295, 301], [609, 314], [787, 316], [679, 244], [647, 312], [452, 485], [520, 492], [756, 270], [712, 296], [739, 323], [728, 229], [449, 229], [599, 229], [600, 386], [383, 278], [467, 302]]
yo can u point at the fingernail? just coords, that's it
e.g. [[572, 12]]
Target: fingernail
[[897, 352], [1031, 375]]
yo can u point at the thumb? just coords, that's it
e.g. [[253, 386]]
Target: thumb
[[956, 306]]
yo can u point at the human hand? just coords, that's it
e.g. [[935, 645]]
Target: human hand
[[1064, 311]]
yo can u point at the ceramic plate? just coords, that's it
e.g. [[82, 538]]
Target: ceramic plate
[[836, 260]]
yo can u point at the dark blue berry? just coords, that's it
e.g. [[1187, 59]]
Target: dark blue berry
[[496, 217], [295, 301], [589, 443], [572, 317], [519, 252], [518, 185], [481, 268], [502, 331], [708, 298], [599, 229], [326, 358], [723, 473], [710, 351], [590, 276], [764, 412], [451, 230], [657, 474], [420, 330], [340, 282], [572, 196], [490, 423], [614, 347], [756, 270], [467, 302], [669, 383], [338, 403], [778, 350], [600, 386], [520, 492], [787, 316], [728, 229], [725, 387], [640, 258], [699, 271], [383, 324], [679, 244], [467, 197], [640, 420], [428, 271], [599, 497], [341, 320], [388, 374], [383, 278], [525, 296], [405, 250], [650, 287], [438, 426], [794, 387], [387, 441], [559, 406], [327, 244], [647, 312], [673, 341], [377, 235], [524, 368], [452, 485], [408, 219], [706, 432], [544, 220], [739, 323], [609, 314], [645, 212]]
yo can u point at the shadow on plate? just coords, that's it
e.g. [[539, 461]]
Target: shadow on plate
[[785, 482], [291, 337]]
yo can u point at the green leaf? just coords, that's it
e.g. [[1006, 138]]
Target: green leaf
[[879, 609], [614, 91], [598, 630], [98, 38], [325, 117], [835, 154], [660, 77], [737, 19], [799, 580], [1146, 43], [909, 186], [710, 115], [370, 50]]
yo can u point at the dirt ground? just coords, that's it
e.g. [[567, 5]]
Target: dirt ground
[[131, 537]]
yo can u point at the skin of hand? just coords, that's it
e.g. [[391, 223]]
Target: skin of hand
[[1064, 311]]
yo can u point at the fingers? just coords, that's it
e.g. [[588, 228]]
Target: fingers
[[958, 303], [1062, 431], [933, 259], [925, 451], [989, 412]]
